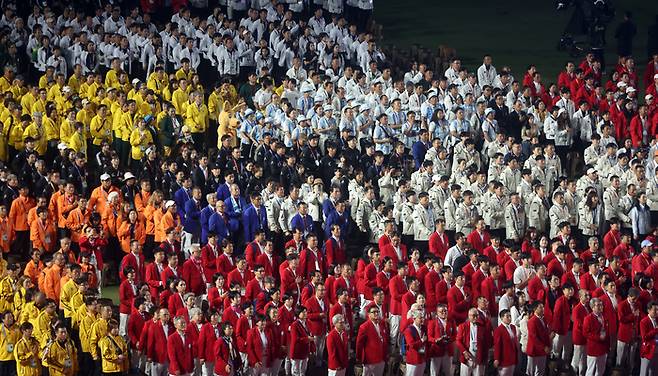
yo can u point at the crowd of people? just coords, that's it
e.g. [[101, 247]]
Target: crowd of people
[[271, 200]]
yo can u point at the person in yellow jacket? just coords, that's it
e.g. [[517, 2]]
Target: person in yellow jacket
[[26, 353], [87, 316], [157, 81], [140, 139], [47, 77], [56, 89], [40, 103], [98, 331], [126, 126], [67, 127], [23, 285], [114, 351], [13, 130], [42, 324], [76, 79], [35, 131], [179, 97], [84, 115], [29, 99], [61, 355], [196, 119], [9, 336], [112, 75], [68, 289], [100, 128], [78, 142], [8, 288], [51, 129]]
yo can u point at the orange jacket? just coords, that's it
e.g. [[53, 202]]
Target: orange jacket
[[125, 236], [98, 199], [65, 203], [6, 235], [18, 213], [51, 282], [43, 235], [159, 234], [33, 271], [52, 205], [109, 219], [166, 222], [149, 215], [75, 222], [141, 200], [90, 269]]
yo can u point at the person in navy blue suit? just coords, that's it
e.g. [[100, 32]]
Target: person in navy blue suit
[[206, 213], [420, 147], [254, 218], [340, 217], [192, 220], [329, 206], [302, 220], [182, 195], [224, 190], [235, 207], [218, 222]]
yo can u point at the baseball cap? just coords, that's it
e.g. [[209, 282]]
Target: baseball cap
[[646, 243]]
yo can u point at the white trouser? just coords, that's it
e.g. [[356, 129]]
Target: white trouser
[[506, 371], [208, 368], [159, 369], [596, 365], [626, 354], [182, 374], [186, 243], [441, 364], [476, 370], [332, 372], [536, 365], [376, 369], [244, 361], [320, 342], [415, 369], [578, 362], [261, 371], [123, 324], [649, 367], [287, 366], [298, 366], [395, 328], [563, 347]]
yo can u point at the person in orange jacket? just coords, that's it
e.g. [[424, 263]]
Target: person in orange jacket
[[132, 229], [53, 277], [169, 220], [34, 267], [110, 215], [42, 202], [18, 220], [54, 198], [77, 220], [42, 232], [65, 203], [99, 196], [5, 230]]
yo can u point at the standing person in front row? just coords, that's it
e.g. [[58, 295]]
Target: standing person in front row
[[302, 344], [26, 353], [539, 341], [597, 333], [337, 347], [649, 338], [372, 344], [506, 345], [474, 343], [416, 343], [114, 351], [60, 354]]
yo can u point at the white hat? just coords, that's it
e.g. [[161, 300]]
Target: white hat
[[436, 178], [488, 111], [621, 152], [248, 112], [169, 204], [591, 171], [135, 81], [66, 89], [306, 88], [621, 84], [301, 118], [647, 97], [646, 243], [268, 120], [105, 177], [128, 176], [328, 107], [630, 89], [655, 76], [432, 94], [62, 146], [364, 107], [85, 102], [149, 150], [112, 196]]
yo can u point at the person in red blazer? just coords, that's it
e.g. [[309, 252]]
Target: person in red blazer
[[640, 124], [343, 308], [372, 344], [459, 298], [240, 274], [415, 338], [177, 301], [578, 314], [441, 333], [379, 301], [234, 311], [611, 301], [430, 284], [628, 313], [225, 262], [209, 254], [384, 278], [481, 273], [255, 248], [127, 293], [561, 322], [345, 281], [180, 350], [245, 323], [473, 361], [134, 259], [291, 281], [337, 347], [255, 285], [396, 251], [539, 340], [597, 333], [492, 287], [302, 342], [587, 280], [479, 238], [226, 355], [311, 258], [208, 335], [269, 260], [559, 265], [438, 242], [193, 272], [318, 317], [573, 276], [649, 338], [259, 354], [368, 279], [335, 247], [506, 345], [537, 285], [397, 288], [136, 325]]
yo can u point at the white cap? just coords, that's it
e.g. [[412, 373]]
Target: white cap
[[301, 118], [306, 88], [488, 111], [105, 177], [66, 89], [591, 171], [328, 107], [128, 175], [630, 89], [621, 84], [248, 112], [85, 102], [135, 81], [655, 76], [646, 243], [364, 107], [268, 120], [62, 146], [169, 204], [436, 178]]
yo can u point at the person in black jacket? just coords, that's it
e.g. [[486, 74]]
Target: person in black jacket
[[328, 164], [311, 155], [276, 161], [201, 173], [77, 174]]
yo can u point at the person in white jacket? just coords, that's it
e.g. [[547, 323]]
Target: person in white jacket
[[423, 217]]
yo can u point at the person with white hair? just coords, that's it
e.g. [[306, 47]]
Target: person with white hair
[[415, 337], [597, 333], [337, 347]]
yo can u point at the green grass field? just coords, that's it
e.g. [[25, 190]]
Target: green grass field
[[515, 32]]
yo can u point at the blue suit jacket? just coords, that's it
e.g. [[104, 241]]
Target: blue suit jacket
[[341, 220], [235, 213], [217, 225], [305, 224], [223, 192], [192, 219], [328, 208], [250, 222], [418, 150], [206, 213], [180, 198]]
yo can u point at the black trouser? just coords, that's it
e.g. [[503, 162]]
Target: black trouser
[[199, 142], [21, 244], [8, 368], [422, 245], [407, 240]]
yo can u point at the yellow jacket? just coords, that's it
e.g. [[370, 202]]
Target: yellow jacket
[[40, 141], [155, 84], [43, 82], [91, 90], [101, 129], [214, 106], [111, 348], [111, 80], [179, 100], [180, 74], [78, 143], [98, 331], [62, 359], [66, 292], [139, 140], [26, 353], [54, 92], [86, 322], [27, 102], [74, 83], [14, 129], [84, 117], [29, 313], [196, 118], [126, 126], [6, 294], [19, 303], [8, 339], [42, 328], [66, 130], [51, 128]]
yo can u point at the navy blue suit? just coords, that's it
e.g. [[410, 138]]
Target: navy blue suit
[[235, 213], [192, 219], [180, 198], [305, 224], [251, 222], [337, 219], [206, 213], [328, 207], [223, 192], [418, 150], [217, 225]]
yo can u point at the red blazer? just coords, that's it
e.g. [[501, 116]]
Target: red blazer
[[476, 283], [169, 272], [492, 292], [288, 284], [235, 276], [578, 317], [432, 279], [154, 279], [157, 342], [307, 261], [223, 357], [439, 245], [195, 277], [636, 130], [255, 348], [506, 347], [371, 348], [216, 298], [271, 267], [251, 253], [337, 345], [457, 304], [648, 334], [335, 251], [469, 269], [207, 339], [441, 338], [131, 260], [278, 336], [536, 289], [317, 322], [253, 289], [389, 251], [135, 327], [383, 283], [484, 342], [555, 268], [244, 325], [345, 310], [126, 297], [225, 264], [561, 316], [610, 241], [231, 315], [628, 322], [308, 292], [609, 312], [209, 260], [340, 283], [368, 281], [144, 338], [640, 263], [592, 329], [397, 289], [414, 346], [571, 278], [538, 338], [300, 343], [479, 243], [587, 282], [175, 302], [442, 291]]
